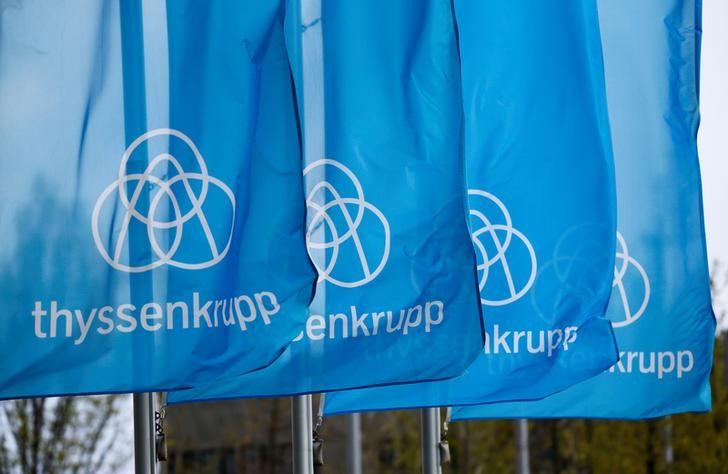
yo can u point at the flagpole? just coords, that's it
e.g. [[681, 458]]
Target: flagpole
[[310, 36], [524, 466], [135, 123], [143, 439], [429, 426], [355, 457], [302, 434]]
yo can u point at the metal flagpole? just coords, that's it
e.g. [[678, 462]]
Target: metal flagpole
[[135, 124], [430, 426], [313, 114], [355, 457], [302, 434], [524, 466], [438, 438], [143, 439], [314, 131], [308, 418]]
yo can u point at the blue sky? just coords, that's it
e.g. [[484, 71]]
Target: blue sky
[[713, 135]]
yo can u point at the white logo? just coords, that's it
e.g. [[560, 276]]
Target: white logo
[[492, 250], [621, 269], [170, 189], [333, 228]]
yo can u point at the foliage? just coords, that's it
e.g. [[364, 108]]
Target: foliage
[[74, 435]]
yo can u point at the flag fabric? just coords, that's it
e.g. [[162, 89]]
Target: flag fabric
[[660, 306], [397, 297], [542, 206], [151, 199]]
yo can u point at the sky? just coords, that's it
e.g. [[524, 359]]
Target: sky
[[713, 134]]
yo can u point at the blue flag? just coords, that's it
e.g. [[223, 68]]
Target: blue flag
[[151, 199], [542, 207], [397, 297], [660, 306]]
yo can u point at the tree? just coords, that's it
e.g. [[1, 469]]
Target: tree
[[74, 435]]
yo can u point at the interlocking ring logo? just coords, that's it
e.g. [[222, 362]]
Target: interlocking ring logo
[[170, 188], [493, 241], [625, 264], [335, 217]]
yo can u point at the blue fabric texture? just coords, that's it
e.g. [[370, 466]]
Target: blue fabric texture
[[542, 205], [150, 195], [397, 298], [660, 305]]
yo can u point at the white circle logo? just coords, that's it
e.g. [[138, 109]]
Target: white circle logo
[[334, 238], [175, 200], [494, 237], [625, 265]]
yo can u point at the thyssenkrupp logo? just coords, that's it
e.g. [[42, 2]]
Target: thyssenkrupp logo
[[494, 237], [624, 265], [165, 198], [337, 209]]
